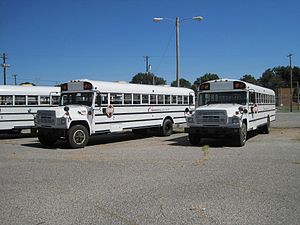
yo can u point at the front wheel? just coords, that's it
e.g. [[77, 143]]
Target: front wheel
[[46, 138], [194, 139], [242, 136], [78, 136]]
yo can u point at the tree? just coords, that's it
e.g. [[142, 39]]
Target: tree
[[147, 78], [182, 83], [250, 79], [204, 78]]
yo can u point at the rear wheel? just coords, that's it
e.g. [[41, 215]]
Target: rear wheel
[[78, 136], [46, 137], [167, 128]]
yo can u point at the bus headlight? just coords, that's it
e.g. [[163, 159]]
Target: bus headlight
[[190, 119], [62, 121], [235, 120]]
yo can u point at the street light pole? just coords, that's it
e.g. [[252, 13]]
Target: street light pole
[[177, 25]]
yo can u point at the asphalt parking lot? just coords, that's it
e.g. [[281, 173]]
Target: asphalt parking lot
[[127, 179]]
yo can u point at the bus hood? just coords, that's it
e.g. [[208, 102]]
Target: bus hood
[[73, 110], [229, 108]]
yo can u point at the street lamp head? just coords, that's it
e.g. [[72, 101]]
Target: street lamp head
[[158, 19], [199, 18]]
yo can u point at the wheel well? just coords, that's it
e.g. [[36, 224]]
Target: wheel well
[[170, 118], [84, 123]]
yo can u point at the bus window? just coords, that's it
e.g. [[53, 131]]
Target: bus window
[[127, 99], [252, 98], [167, 99], [45, 100], [6, 100], [185, 100], [145, 99], [20, 100], [179, 100], [55, 100], [160, 99], [33, 100], [174, 100], [136, 99], [152, 99], [116, 99], [191, 100]]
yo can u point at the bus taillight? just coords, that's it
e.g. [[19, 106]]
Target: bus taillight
[[239, 85], [205, 86], [87, 86], [64, 87]]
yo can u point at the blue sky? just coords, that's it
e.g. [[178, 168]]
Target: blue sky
[[53, 41]]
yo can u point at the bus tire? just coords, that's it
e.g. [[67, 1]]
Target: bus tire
[[78, 136], [266, 127], [194, 139], [241, 138], [46, 138], [167, 128]]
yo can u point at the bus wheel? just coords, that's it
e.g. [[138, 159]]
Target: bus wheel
[[78, 136], [167, 128], [194, 139], [46, 138], [242, 136], [266, 127]]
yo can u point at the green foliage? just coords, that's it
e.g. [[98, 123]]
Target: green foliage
[[204, 78], [182, 83], [250, 79], [147, 78]]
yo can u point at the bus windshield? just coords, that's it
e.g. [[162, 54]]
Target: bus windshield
[[223, 98], [85, 98]]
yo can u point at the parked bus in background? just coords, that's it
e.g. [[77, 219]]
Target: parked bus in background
[[231, 108], [19, 104], [97, 107]]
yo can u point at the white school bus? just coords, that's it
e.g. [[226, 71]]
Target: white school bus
[[19, 104], [96, 107], [231, 108]]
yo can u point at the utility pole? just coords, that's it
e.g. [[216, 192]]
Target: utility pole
[[177, 52], [4, 65], [15, 78], [147, 63], [291, 78]]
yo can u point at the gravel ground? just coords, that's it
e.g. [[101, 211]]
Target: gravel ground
[[126, 179]]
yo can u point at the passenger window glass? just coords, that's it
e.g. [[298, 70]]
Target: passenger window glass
[[32, 100], [145, 99], [185, 100], [45, 100], [20, 100], [179, 100], [55, 100], [127, 99], [174, 100], [136, 99], [152, 99], [6, 100], [116, 99], [160, 99], [167, 99]]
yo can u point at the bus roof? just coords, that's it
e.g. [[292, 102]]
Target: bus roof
[[223, 84], [28, 90], [116, 87]]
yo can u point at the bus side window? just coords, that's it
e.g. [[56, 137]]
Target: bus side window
[[44, 100], [101, 99], [55, 100], [20, 100], [6, 100], [191, 99], [252, 98]]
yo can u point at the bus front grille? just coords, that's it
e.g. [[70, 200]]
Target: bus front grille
[[46, 117], [211, 117]]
